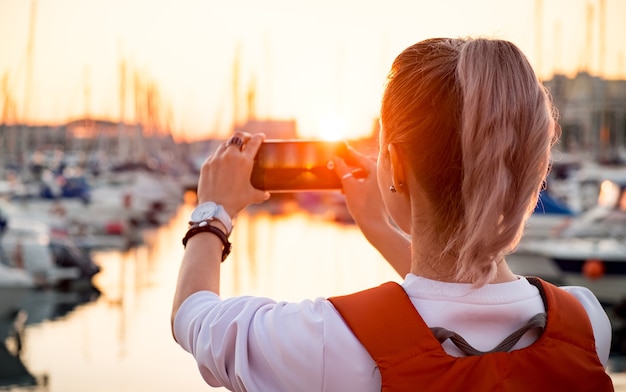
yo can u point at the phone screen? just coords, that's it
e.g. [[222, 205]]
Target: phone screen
[[296, 165]]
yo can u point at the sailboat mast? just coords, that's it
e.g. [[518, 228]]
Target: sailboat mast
[[601, 36], [539, 37], [607, 150], [121, 132], [28, 86], [236, 70]]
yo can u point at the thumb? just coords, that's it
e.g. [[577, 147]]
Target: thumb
[[341, 168]]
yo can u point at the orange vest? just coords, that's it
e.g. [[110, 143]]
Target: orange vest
[[410, 358]]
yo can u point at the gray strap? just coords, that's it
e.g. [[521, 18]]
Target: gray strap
[[442, 334]]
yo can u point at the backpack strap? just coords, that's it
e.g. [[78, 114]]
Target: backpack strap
[[372, 311], [537, 321], [567, 316], [377, 310]]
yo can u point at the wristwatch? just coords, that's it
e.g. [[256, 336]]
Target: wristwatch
[[209, 211], [200, 222], [205, 227]]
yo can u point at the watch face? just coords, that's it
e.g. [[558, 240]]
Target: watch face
[[203, 212]]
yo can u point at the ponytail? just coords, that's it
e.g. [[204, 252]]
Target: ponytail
[[507, 130]]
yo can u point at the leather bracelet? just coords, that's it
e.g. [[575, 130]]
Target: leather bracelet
[[205, 227]]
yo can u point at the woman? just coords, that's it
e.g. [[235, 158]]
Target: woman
[[466, 133]]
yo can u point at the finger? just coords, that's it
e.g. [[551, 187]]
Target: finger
[[237, 141], [224, 144], [359, 168], [221, 147], [341, 168], [348, 174], [261, 196], [362, 160], [245, 136], [252, 144], [240, 134]]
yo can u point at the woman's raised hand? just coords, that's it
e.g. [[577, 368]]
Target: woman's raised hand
[[225, 175]]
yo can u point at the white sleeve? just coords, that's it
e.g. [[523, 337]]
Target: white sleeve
[[246, 343], [598, 317]]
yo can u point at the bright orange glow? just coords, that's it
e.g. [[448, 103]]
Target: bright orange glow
[[195, 66], [332, 127]]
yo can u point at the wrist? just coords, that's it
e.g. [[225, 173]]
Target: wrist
[[373, 221], [209, 226], [218, 223]]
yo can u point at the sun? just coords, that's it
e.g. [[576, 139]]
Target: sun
[[332, 127]]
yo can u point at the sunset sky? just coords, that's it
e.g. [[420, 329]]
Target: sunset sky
[[320, 62]]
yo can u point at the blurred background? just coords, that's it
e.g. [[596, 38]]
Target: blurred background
[[108, 109]]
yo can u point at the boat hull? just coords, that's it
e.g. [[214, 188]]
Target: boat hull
[[598, 264]]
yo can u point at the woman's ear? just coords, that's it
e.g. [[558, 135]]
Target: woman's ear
[[398, 168]]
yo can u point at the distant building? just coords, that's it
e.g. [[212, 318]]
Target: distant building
[[273, 129], [592, 114], [118, 141]]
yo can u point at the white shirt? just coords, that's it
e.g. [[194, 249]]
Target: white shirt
[[257, 344]]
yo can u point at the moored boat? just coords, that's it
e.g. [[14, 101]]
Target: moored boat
[[588, 250], [596, 263], [28, 246]]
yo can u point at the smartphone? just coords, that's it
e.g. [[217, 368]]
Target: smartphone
[[297, 165]]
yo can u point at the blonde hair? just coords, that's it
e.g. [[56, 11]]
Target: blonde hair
[[477, 127]]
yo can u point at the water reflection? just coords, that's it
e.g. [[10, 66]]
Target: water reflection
[[118, 338], [22, 309]]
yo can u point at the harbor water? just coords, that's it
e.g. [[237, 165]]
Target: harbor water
[[118, 338]]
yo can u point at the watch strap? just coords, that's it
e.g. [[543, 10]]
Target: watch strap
[[205, 227], [222, 216]]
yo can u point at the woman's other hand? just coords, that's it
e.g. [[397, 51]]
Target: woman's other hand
[[365, 203], [360, 186]]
